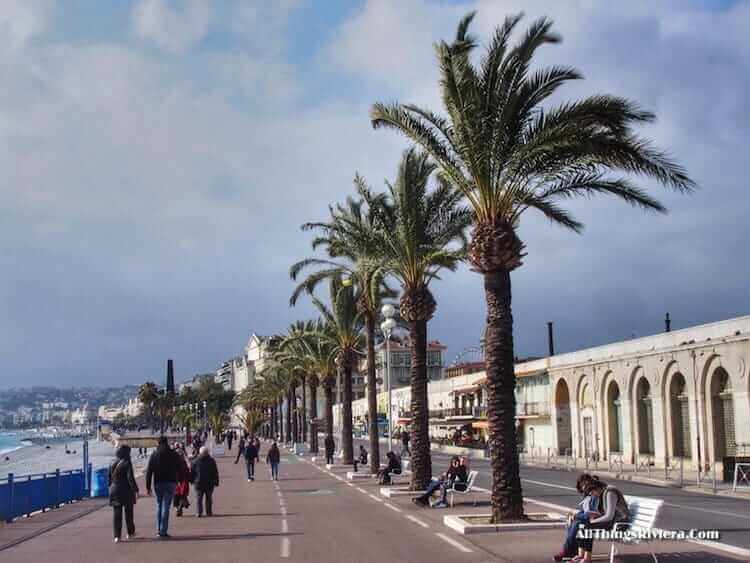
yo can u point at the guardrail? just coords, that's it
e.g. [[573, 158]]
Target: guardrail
[[23, 495], [741, 476]]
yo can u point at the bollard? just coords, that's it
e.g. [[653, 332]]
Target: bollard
[[681, 472], [11, 498]]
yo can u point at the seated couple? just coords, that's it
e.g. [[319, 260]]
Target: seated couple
[[455, 478], [393, 466], [601, 508]]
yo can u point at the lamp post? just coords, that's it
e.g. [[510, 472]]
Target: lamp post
[[387, 327], [205, 418]]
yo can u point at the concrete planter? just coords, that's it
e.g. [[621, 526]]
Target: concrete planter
[[390, 492], [359, 476], [479, 523]]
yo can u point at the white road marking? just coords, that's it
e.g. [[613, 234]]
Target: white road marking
[[361, 490], [417, 521], [734, 550], [454, 543], [285, 547], [283, 511], [284, 526], [564, 509], [350, 484], [373, 497], [392, 507], [549, 485]]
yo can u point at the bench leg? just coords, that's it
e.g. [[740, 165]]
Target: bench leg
[[612, 553]]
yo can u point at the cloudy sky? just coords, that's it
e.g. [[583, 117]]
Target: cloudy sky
[[157, 158]]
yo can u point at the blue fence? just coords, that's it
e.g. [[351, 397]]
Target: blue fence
[[30, 493]]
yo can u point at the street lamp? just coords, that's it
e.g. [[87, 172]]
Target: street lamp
[[387, 327], [205, 418]]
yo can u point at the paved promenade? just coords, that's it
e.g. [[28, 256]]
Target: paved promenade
[[311, 514]]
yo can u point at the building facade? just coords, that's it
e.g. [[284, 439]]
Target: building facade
[[675, 397], [400, 356]]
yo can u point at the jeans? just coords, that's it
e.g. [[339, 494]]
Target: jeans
[[209, 494], [164, 493], [570, 544], [250, 465], [274, 471], [588, 544], [431, 488], [117, 519], [329, 459]]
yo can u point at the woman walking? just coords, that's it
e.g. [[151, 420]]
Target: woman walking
[[123, 492], [182, 491]]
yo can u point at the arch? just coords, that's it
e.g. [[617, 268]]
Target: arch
[[586, 423], [678, 408], [644, 416], [721, 405], [562, 419], [613, 416]]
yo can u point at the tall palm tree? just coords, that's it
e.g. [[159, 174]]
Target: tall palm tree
[[344, 332], [423, 231], [350, 240], [321, 354], [507, 150], [148, 393]]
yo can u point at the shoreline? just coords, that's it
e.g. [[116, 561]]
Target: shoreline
[[36, 458]]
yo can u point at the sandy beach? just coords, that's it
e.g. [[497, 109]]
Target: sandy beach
[[38, 459]]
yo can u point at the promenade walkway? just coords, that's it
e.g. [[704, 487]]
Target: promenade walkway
[[311, 514]]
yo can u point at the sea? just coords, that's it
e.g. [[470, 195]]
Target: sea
[[10, 442]]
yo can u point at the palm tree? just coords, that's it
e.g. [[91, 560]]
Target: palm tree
[[293, 352], [147, 394], [321, 354], [423, 231], [505, 149], [251, 420], [350, 241], [344, 332]]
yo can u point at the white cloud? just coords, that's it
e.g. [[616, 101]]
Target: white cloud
[[169, 28], [20, 20]]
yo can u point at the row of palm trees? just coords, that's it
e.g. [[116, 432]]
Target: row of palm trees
[[499, 148]]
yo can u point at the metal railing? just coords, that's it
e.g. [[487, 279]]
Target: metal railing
[[615, 461], [707, 476], [644, 463], [26, 494], [672, 466], [741, 476]]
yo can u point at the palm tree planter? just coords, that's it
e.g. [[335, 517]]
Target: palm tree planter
[[505, 152]]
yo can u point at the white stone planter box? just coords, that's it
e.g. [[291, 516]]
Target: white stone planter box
[[390, 492], [539, 521], [352, 476]]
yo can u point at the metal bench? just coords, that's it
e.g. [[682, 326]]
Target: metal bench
[[643, 513], [469, 488]]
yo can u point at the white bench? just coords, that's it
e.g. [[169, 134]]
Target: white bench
[[469, 488], [643, 513]]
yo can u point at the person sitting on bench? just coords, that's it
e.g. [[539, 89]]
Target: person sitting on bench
[[587, 509], [613, 509], [362, 459], [455, 478], [394, 466]]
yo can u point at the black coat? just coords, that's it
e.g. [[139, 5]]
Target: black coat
[[250, 453], [164, 467], [330, 445], [122, 485], [204, 473], [274, 455]]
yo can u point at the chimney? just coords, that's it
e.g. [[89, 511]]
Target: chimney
[[170, 378], [667, 324], [550, 339]]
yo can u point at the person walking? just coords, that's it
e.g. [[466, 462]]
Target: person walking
[[230, 437], [205, 476], [405, 443], [240, 449], [330, 446], [274, 458], [251, 456], [123, 492], [182, 491], [165, 470]]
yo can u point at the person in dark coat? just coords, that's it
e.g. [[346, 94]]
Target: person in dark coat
[[251, 456], [165, 470], [205, 476], [230, 437], [394, 466], [330, 446], [240, 449], [274, 458], [123, 492], [182, 491]]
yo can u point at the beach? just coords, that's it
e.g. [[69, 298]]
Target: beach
[[37, 458]]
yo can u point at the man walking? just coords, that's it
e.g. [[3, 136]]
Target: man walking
[[230, 437], [330, 446], [205, 475], [274, 457], [405, 443], [251, 456], [165, 470]]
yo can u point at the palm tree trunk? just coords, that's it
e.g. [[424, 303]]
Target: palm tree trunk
[[281, 418], [303, 412], [347, 441], [372, 393], [288, 421], [421, 462], [507, 499], [313, 415], [328, 386]]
